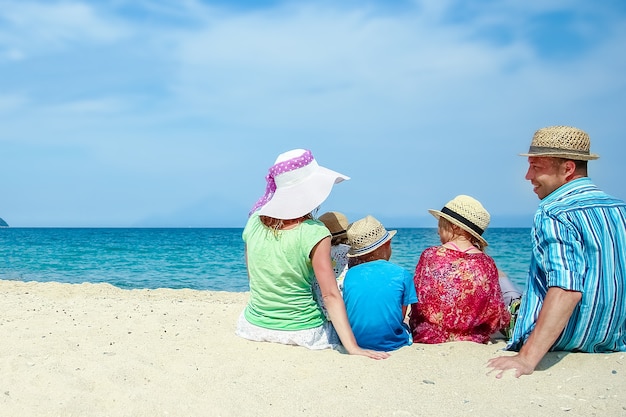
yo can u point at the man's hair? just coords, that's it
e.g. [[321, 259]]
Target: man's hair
[[581, 166]]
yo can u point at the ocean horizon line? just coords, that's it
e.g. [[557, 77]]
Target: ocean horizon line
[[498, 221]]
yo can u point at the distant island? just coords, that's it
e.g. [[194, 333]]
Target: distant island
[[3, 223]]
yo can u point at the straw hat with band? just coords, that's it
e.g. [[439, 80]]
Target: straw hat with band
[[335, 222], [366, 235], [467, 213], [296, 185], [561, 142]]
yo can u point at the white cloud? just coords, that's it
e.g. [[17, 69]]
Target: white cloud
[[313, 64], [183, 97], [34, 28]]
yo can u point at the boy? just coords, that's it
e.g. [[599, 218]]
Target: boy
[[376, 292]]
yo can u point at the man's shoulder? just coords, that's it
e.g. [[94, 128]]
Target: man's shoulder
[[580, 194]]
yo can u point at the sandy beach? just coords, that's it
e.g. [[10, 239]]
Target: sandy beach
[[96, 350]]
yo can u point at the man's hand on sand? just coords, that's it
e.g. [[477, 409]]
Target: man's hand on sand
[[505, 363]]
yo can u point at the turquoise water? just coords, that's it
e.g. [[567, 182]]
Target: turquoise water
[[204, 259]]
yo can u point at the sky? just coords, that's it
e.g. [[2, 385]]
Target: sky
[[153, 113]]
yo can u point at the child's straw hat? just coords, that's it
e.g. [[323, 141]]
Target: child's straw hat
[[335, 222], [467, 213], [366, 235]]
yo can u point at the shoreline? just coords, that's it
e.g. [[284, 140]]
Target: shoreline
[[98, 350]]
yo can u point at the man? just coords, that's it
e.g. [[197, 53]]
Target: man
[[575, 298]]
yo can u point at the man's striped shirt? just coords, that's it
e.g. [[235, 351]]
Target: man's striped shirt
[[579, 244]]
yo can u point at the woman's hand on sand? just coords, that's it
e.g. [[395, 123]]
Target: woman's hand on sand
[[370, 353], [505, 363]]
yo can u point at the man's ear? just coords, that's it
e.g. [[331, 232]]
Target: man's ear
[[570, 167]]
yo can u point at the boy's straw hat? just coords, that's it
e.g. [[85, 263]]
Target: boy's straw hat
[[296, 185], [467, 213], [335, 222], [561, 142], [366, 235]]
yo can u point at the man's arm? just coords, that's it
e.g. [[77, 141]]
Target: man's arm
[[556, 310]]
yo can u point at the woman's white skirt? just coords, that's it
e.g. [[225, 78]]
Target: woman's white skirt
[[322, 337]]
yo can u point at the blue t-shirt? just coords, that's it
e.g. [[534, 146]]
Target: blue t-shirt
[[374, 293]]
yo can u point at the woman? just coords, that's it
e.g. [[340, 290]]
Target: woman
[[459, 296], [285, 249]]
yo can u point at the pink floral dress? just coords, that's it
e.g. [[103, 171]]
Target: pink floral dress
[[459, 297]]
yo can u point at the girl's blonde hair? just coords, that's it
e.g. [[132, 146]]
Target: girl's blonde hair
[[277, 224], [455, 231]]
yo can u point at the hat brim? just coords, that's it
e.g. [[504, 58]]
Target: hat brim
[[437, 214], [565, 155], [335, 222], [292, 202], [390, 235]]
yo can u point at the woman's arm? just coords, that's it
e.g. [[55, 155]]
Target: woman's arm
[[320, 259]]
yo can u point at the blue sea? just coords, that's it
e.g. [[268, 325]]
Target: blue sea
[[203, 259]]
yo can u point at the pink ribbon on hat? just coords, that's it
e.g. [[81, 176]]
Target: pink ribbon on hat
[[280, 168]]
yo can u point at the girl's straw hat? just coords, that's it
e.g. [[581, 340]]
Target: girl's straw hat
[[561, 142], [296, 185], [335, 222], [367, 235], [467, 213]]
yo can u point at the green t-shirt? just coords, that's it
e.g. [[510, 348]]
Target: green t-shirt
[[281, 274]]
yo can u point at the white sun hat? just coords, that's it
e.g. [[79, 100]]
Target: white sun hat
[[296, 185]]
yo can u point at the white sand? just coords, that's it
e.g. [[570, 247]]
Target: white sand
[[95, 350]]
